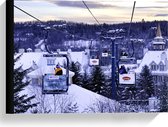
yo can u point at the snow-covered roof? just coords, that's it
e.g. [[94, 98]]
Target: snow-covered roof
[[29, 50], [116, 30], [138, 40], [160, 72], [159, 37], [26, 59], [80, 43], [77, 57], [139, 61], [149, 57], [158, 42]]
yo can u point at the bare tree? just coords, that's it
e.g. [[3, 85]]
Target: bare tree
[[44, 105], [105, 105], [59, 103]]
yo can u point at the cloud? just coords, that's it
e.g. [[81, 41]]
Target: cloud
[[161, 15], [161, 1], [151, 7], [79, 4]]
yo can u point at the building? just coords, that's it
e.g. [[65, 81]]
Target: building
[[38, 65], [156, 59]]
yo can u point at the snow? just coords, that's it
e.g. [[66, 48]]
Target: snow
[[137, 40], [83, 97], [39, 43], [139, 61], [156, 42], [152, 56], [80, 43], [27, 58], [116, 30], [76, 94], [77, 57]]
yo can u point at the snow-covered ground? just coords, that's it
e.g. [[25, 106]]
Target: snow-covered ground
[[76, 100]]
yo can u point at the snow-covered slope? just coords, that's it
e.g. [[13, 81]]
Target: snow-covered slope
[[84, 97], [86, 101]]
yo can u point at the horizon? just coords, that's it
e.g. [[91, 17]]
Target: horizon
[[91, 23]]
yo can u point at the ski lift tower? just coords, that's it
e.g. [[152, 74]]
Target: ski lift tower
[[114, 59], [113, 67]]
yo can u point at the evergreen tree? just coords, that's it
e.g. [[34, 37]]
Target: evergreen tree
[[21, 102], [164, 98], [77, 78], [98, 81], [85, 80], [108, 88], [145, 83]]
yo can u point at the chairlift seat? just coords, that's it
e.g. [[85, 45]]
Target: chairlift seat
[[55, 84]]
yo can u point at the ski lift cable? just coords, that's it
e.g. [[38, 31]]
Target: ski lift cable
[[129, 29], [90, 12], [46, 47], [93, 17], [27, 13], [91, 42], [132, 15]]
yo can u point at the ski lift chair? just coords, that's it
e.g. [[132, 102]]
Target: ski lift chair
[[94, 57], [56, 84], [124, 57]]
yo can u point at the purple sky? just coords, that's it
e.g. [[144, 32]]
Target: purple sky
[[106, 11]]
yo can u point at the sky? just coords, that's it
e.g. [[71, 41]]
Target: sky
[[106, 11]]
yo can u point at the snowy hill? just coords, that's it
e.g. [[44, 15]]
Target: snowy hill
[[76, 100]]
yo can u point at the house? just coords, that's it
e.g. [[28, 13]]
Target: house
[[40, 65], [156, 59], [29, 50]]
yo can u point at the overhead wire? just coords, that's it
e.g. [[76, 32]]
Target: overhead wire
[[132, 15], [90, 12], [27, 13], [93, 17]]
